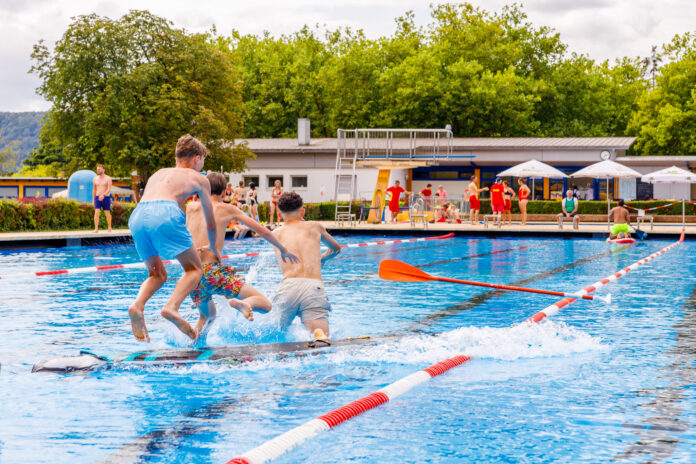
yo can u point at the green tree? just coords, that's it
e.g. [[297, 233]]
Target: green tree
[[123, 91], [665, 120]]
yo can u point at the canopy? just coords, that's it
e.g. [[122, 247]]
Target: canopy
[[532, 168], [671, 175], [605, 170]]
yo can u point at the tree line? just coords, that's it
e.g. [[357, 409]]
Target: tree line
[[124, 90]]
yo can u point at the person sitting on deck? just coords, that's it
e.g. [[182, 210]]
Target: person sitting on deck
[[302, 290], [218, 278], [569, 206], [622, 220]]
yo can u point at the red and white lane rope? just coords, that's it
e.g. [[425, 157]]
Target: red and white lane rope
[[554, 308], [139, 265], [295, 437], [292, 438], [655, 208]]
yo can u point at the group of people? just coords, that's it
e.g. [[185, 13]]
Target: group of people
[[162, 230], [501, 200]]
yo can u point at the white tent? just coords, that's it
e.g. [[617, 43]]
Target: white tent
[[607, 170], [120, 191], [533, 169], [671, 175]]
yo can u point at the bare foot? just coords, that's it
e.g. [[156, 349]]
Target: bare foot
[[243, 307], [96, 230], [110, 230], [174, 317], [138, 323]]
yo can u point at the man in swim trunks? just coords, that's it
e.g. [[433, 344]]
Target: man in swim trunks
[[218, 278], [622, 220], [101, 192], [497, 200], [158, 227], [302, 291], [474, 203]]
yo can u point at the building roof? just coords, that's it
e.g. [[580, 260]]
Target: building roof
[[459, 143]]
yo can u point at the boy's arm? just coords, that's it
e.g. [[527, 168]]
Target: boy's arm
[[108, 188], [328, 240], [94, 189], [238, 214], [208, 212]]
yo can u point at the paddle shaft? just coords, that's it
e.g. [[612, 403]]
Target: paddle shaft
[[510, 287]]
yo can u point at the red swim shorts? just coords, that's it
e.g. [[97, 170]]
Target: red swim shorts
[[498, 207], [474, 202], [508, 204]]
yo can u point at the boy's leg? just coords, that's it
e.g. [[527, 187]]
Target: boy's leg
[[248, 299], [157, 276], [193, 271], [208, 313], [318, 324]]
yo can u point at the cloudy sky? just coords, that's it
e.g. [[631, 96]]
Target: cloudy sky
[[602, 29]]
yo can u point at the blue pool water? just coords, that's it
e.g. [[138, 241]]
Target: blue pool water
[[596, 383]]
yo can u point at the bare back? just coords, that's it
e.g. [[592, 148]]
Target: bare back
[[303, 239], [176, 184], [195, 221], [620, 215]]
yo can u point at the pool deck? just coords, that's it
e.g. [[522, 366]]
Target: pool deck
[[33, 240]]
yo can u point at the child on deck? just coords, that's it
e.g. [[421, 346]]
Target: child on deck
[[302, 291], [218, 278], [159, 231]]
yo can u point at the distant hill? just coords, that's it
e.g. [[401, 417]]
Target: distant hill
[[21, 132]]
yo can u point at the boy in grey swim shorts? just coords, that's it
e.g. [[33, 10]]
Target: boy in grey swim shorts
[[302, 290]]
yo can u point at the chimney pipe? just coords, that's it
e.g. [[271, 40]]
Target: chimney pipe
[[303, 127]]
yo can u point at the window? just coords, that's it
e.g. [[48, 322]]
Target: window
[[250, 179], [272, 179], [299, 181], [9, 192], [444, 175], [34, 192]]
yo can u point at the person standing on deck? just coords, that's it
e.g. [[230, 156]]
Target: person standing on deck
[[396, 190], [523, 194], [497, 200], [474, 203], [101, 192]]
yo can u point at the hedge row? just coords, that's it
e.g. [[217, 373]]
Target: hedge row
[[48, 214], [59, 214]]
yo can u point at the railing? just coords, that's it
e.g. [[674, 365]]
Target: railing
[[396, 144]]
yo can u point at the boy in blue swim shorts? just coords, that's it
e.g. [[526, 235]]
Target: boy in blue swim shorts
[[158, 227]]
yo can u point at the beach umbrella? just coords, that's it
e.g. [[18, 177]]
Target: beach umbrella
[[671, 175], [607, 170], [533, 169]]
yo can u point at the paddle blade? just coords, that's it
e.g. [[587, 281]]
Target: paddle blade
[[391, 269], [642, 235]]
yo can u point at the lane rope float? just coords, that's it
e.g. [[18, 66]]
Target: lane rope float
[[141, 265], [281, 444]]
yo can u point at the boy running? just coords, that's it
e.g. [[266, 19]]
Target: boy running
[[218, 278], [159, 231], [302, 291]]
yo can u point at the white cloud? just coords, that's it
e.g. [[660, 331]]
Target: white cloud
[[602, 29]]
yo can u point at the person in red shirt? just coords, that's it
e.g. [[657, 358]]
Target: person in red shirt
[[427, 191], [497, 202], [396, 191]]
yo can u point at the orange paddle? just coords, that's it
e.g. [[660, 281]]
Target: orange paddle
[[391, 269]]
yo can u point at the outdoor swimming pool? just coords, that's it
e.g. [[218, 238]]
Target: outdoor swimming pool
[[596, 383]]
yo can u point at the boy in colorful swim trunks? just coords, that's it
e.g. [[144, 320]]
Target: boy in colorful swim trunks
[[159, 231], [218, 278], [302, 291], [622, 220]]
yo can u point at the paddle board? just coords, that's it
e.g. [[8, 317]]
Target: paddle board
[[621, 240]]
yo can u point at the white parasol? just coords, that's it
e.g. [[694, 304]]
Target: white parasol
[[533, 169], [671, 175], [607, 170]]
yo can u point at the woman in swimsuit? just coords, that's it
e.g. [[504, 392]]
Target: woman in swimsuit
[[240, 194], [275, 194], [523, 194], [508, 195], [251, 199], [228, 194]]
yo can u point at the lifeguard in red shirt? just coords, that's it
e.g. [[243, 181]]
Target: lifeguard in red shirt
[[396, 191], [497, 201]]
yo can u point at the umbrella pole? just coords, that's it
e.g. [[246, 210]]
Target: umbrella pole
[[608, 205], [533, 189], [683, 215]]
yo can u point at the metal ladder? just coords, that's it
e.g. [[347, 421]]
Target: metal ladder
[[345, 179]]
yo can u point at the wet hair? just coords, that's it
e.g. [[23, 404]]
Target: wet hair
[[241, 183], [218, 183], [289, 202], [252, 186], [187, 147], [621, 202]]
